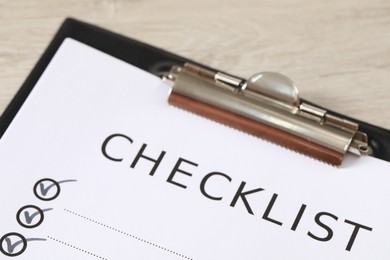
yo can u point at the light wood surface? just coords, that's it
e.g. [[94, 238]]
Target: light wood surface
[[338, 52]]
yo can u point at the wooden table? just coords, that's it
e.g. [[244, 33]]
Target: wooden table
[[338, 52]]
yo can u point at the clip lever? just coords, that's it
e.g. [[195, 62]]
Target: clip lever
[[266, 105]]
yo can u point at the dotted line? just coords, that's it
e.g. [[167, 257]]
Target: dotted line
[[77, 248], [129, 235]]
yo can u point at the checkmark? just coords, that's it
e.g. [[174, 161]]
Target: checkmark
[[45, 190], [18, 246], [29, 218], [11, 246]]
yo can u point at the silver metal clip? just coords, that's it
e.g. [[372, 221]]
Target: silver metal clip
[[272, 100]]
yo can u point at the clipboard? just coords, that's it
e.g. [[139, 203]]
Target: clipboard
[[155, 61], [207, 192]]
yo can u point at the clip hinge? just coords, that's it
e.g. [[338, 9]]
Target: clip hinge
[[229, 82]]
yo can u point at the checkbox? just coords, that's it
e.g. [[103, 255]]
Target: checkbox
[[31, 216]]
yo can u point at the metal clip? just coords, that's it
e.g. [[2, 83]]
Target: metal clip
[[266, 105]]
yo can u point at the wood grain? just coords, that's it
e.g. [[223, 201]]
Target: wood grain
[[338, 52]]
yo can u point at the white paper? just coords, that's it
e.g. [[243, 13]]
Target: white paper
[[107, 209]]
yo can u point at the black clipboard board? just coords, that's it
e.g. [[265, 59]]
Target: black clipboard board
[[148, 58]]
